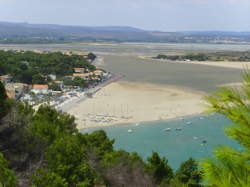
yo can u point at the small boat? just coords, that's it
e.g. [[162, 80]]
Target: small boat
[[178, 129], [204, 141], [137, 124], [130, 130], [167, 129], [189, 123]]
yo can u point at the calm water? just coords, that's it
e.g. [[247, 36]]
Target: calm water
[[191, 76], [176, 146]]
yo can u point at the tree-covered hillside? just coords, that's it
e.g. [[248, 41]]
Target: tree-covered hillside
[[28, 66], [24, 33], [45, 149]]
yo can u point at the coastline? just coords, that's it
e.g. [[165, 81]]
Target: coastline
[[227, 64], [128, 102], [201, 114]]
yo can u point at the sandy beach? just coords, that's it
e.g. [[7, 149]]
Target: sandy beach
[[237, 65], [226, 64], [130, 102]]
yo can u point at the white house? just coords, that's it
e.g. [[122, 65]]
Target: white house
[[85, 76], [79, 70], [6, 79], [40, 89]]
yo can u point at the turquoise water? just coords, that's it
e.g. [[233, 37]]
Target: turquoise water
[[176, 146]]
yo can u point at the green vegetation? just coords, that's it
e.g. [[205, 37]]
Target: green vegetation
[[231, 167], [160, 169], [7, 177], [44, 148], [30, 67], [189, 173], [55, 87], [4, 106], [218, 56], [77, 81]]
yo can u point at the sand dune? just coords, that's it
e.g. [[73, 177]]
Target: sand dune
[[129, 102]]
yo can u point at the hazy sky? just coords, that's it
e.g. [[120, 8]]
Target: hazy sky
[[165, 15]]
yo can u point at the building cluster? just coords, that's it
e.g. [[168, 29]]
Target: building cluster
[[87, 75], [37, 92]]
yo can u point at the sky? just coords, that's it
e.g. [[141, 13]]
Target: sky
[[160, 15]]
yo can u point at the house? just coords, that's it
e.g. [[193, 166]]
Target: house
[[40, 89], [16, 90], [79, 70], [68, 53], [52, 77], [10, 91], [6, 79], [68, 77], [59, 83], [21, 89], [82, 53], [98, 72], [85, 76]]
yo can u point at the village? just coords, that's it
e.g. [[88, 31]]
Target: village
[[58, 91]]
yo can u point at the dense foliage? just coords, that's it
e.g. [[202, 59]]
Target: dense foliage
[[231, 167], [44, 148], [7, 177], [218, 56], [198, 57], [77, 81], [30, 67], [4, 107]]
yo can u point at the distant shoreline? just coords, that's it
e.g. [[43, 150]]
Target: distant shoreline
[[226, 64]]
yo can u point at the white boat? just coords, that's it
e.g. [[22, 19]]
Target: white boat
[[189, 123], [130, 130], [137, 124], [167, 129]]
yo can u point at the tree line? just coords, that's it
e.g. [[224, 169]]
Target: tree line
[[217, 56], [32, 68]]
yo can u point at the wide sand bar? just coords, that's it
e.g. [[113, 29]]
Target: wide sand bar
[[131, 102]]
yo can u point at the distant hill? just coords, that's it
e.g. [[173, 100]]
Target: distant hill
[[51, 33]]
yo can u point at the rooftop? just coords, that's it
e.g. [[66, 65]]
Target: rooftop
[[39, 86], [82, 74]]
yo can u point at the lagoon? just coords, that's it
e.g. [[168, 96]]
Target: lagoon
[[176, 146]]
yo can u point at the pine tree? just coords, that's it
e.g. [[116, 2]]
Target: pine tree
[[231, 167], [3, 101]]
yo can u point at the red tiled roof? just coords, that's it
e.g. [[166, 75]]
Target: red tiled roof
[[40, 86]]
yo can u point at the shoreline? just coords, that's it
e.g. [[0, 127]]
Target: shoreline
[[227, 64], [140, 103], [201, 114]]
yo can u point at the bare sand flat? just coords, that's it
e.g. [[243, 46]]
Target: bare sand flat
[[130, 102], [227, 64], [237, 65]]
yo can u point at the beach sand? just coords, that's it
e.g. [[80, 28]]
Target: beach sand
[[237, 65], [130, 102], [226, 64]]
